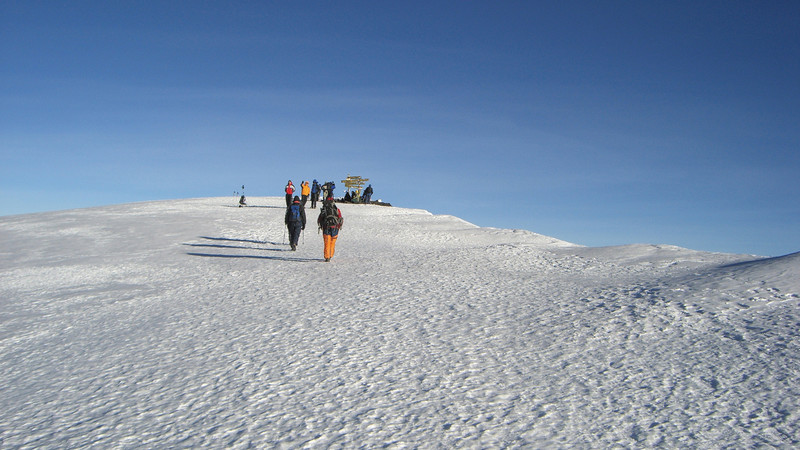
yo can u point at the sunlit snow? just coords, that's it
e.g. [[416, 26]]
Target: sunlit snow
[[189, 323]]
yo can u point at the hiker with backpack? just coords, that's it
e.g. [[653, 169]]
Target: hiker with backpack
[[327, 189], [289, 193], [295, 221], [315, 188], [330, 221]]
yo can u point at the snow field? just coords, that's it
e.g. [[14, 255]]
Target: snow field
[[187, 323]]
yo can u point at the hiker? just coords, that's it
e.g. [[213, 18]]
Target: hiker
[[347, 198], [327, 189], [330, 220], [324, 188], [242, 201], [295, 221], [289, 193], [367, 194], [305, 191], [315, 188]]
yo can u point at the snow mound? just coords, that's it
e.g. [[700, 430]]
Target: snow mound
[[762, 281], [650, 254], [783, 271]]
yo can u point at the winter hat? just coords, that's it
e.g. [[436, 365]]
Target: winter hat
[[296, 199]]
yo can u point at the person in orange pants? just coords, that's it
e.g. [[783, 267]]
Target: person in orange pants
[[330, 243], [330, 220]]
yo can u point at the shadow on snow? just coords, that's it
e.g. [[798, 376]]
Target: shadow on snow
[[254, 206], [236, 247], [278, 258], [251, 241], [243, 247]]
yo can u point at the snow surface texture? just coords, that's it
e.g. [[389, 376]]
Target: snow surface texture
[[189, 324]]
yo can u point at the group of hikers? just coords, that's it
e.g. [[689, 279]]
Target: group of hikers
[[315, 190], [330, 218]]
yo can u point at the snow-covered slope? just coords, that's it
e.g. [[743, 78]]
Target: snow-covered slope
[[190, 324]]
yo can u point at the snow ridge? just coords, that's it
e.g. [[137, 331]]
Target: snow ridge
[[187, 323]]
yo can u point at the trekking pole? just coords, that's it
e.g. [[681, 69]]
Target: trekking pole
[[283, 241]]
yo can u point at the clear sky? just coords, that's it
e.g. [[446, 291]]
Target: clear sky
[[596, 122]]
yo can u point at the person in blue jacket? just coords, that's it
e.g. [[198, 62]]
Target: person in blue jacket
[[315, 189], [295, 221], [367, 195], [330, 186]]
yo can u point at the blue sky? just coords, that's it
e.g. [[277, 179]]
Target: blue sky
[[600, 123]]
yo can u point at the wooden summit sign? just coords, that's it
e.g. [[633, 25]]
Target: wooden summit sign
[[354, 182]]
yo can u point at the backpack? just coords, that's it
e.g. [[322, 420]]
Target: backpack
[[294, 213], [330, 215]]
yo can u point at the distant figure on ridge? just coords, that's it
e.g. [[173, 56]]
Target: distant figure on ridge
[[289, 193], [295, 221], [315, 188], [330, 220], [367, 195], [305, 191], [242, 201], [328, 188]]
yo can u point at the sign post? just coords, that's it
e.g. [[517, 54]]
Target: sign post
[[355, 183]]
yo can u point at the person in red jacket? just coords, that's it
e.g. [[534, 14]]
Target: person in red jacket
[[330, 220], [289, 193]]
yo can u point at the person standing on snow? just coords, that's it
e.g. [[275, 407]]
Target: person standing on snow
[[289, 193], [330, 220], [367, 195], [295, 221], [327, 189], [331, 187], [315, 188], [305, 191]]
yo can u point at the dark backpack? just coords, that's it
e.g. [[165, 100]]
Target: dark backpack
[[294, 213], [330, 215]]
